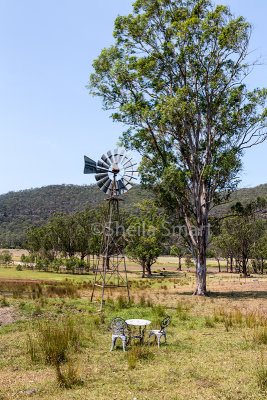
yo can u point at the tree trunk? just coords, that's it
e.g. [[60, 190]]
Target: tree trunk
[[244, 265], [201, 289], [148, 269], [144, 270], [219, 265], [180, 264], [231, 264]]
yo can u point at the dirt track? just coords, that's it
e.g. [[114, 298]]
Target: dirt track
[[24, 280]]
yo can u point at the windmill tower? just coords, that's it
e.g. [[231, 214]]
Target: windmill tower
[[115, 174]]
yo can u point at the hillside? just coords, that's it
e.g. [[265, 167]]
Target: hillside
[[20, 210]]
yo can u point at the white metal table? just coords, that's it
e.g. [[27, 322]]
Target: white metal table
[[142, 324]]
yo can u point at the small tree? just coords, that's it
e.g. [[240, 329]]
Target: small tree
[[179, 251], [5, 258], [146, 235]]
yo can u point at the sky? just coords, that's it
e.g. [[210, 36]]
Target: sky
[[48, 121]]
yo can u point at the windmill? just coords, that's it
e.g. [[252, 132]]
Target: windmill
[[115, 174]]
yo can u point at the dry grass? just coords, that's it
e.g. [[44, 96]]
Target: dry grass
[[216, 345]]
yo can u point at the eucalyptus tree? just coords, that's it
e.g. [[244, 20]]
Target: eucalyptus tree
[[175, 76]]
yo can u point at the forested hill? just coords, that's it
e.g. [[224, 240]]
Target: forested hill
[[20, 210]]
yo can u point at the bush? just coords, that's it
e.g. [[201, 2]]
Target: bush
[[19, 267]]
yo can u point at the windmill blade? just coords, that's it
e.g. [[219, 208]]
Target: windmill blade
[[102, 164], [117, 187], [101, 170], [130, 169], [102, 181], [89, 166], [100, 176], [106, 160], [106, 186], [121, 185], [116, 154], [121, 155], [110, 156], [131, 173], [128, 186], [130, 163], [129, 176], [127, 158], [127, 181]]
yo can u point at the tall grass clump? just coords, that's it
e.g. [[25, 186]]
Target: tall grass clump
[[182, 310], [209, 322], [58, 341], [261, 374], [121, 303], [138, 353], [57, 338], [69, 375], [33, 348], [260, 335]]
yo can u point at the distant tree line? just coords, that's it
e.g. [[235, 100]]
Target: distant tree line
[[242, 238], [73, 242], [22, 210]]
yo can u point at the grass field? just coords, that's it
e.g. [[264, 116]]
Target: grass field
[[216, 345]]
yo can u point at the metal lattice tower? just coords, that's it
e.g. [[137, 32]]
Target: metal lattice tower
[[114, 174]]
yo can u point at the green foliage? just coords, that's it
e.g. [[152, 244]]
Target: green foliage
[[146, 235], [5, 257], [243, 235]]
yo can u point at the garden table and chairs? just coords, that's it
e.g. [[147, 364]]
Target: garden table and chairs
[[135, 329], [138, 333], [160, 332]]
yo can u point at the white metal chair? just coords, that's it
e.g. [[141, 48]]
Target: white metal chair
[[119, 328], [160, 332]]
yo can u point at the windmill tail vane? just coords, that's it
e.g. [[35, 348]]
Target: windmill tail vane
[[115, 172]]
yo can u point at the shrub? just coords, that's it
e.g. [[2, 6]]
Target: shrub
[[19, 268], [4, 302]]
